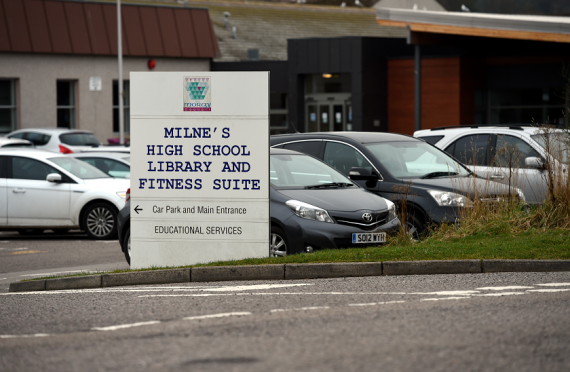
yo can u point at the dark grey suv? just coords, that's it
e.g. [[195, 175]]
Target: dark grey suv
[[397, 167]]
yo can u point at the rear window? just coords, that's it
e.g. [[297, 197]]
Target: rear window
[[432, 140], [38, 139], [79, 139]]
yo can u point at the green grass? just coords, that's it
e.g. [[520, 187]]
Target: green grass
[[531, 244]]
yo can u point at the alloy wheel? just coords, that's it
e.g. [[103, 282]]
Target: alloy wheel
[[100, 222], [277, 246]]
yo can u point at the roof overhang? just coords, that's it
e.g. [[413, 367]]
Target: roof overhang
[[522, 27]]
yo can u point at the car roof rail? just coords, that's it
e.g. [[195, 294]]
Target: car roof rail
[[510, 126]]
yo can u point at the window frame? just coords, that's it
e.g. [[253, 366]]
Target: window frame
[[13, 106], [71, 107], [126, 106]]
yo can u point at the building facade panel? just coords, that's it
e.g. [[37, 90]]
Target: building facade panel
[[133, 31], [186, 32], [58, 28], [170, 39], [151, 29], [97, 29], [77, 28], [17, 26], [39, 32]]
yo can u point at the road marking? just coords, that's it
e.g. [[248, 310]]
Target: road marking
[[448, 293], [123, 326], [504, 288], [57, 272], [255, 286], [500, 294], [377, 303], [301, 308], [28, 252], [444, 298], [549, 290], [19, 336], [266, 294], [221, 315], [555, 284]]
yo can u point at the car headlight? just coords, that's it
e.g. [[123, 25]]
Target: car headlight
[[391, 211], [122, 194], [520, 193], [450, 199], [309, 211]]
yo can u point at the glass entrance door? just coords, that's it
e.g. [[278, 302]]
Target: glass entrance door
[[328, 113]]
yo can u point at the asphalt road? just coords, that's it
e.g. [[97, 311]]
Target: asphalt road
[[22, 257], [481, 322]]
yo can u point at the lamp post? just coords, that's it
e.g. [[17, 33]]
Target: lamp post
[[120, 83]]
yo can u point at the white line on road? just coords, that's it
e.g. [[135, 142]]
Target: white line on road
[[499, 294], [555, 284], [444, 298], [447, 293], [123, 326], [549, 290], [273, 294], [221, 315], [301, 308], [18, 336], [504, 288], [377, 303]]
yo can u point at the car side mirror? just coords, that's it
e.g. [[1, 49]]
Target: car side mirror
[[54, 177], [359, 173], [534, 163]]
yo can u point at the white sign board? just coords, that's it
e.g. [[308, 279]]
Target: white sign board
[[199, 167], [95, 83]]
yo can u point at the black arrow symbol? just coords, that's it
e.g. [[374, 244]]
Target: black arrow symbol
[[137, 210]]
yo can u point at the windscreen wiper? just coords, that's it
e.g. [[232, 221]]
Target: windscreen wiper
[[329, 184], [438, 174]]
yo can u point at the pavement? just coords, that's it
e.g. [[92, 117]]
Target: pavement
[[24, 257], [468, 322]]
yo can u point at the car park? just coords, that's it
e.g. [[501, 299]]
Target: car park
[[63, 140], [313, 207], [507, 154], [42, 190], [431, 185], [114, 164], [14, 142]]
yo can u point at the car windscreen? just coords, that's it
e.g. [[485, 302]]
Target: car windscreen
[[558, 145], [79, 139], [415, 160], [300, 171], [78, 168]]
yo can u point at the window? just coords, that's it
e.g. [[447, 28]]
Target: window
[[471, 150], [343, 158], [66, 104], [38, 139], [278, 118], [78, 168], [327, 83], [126, 106], [512, 151], [29, 169], [298, 171], [308, 147], [432, 139], [7, 105], [111, 167], [79, 139]]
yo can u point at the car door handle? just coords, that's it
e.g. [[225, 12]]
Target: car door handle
[[497, 177], [19, 191]]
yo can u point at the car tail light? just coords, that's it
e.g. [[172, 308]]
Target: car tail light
[[128, 194], [64, 150]]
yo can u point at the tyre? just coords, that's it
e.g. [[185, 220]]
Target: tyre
[[278, 243], [127, 245], [27, 232], [414, 227], [100, 221]]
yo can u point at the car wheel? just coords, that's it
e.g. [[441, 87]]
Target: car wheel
[[127, 245], [60, 231], [30, 231], [100, 221], [414, 228], [278, 243]]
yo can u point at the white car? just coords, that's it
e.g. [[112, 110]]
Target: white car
[[42, 190], [14, 142], [115, 164], [63, 140], [481, 149]]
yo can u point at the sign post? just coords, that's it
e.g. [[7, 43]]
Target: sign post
[[199, 167]]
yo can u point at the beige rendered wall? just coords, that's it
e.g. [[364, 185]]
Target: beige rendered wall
[[37, 75]]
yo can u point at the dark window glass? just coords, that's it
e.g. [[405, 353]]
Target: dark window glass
[[18, 135], [432, 139], [277, 120], [126, 105], [66, 104], [327, 83], [472, 150], [79, 139], [29, 169], [3, 167], [7, 105], [511, 152], [18, 145], [37, 139], [307, 147], [343, 158], [278, 100], [111, 167]]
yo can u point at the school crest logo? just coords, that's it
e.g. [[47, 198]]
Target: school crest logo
[[197, 93]]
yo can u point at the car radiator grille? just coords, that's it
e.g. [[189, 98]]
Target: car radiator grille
[[378, 219]]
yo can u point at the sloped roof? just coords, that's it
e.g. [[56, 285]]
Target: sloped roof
[[90, 28], [267, 26]]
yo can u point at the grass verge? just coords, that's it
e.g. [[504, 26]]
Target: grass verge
[[535, 244]]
